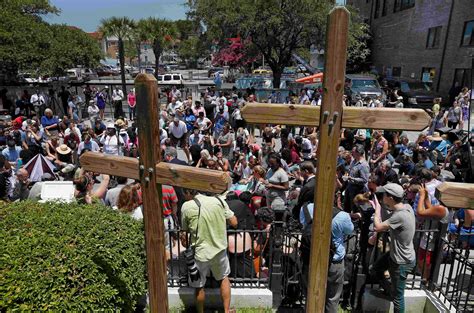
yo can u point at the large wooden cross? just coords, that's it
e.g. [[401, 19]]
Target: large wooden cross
[[331, 117], [152, 173]]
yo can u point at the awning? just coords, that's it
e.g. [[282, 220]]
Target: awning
[[313, 79]]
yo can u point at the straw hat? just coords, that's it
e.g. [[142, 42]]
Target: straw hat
[[436, 137], [63, 149]]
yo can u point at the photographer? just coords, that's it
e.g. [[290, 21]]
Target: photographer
[[111, 141], [205, 219]]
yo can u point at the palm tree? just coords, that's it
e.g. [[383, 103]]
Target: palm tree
[[138, 36], [120, 27], [160, 33]]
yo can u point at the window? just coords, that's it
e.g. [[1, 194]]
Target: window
[[396, 71], [384, 7], [377, 8], [462, 77], [428, 74], [403, 5], [434, 35], [468, 34]]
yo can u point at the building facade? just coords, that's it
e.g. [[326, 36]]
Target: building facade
[[427, 40]]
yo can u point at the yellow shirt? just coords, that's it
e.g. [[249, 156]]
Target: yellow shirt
[[212, 233]]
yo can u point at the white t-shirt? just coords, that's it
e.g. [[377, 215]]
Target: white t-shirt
[[110, 144], [194, 140], [76, 130], [117, 95], [172, 107], [178, 131], [202, 123]]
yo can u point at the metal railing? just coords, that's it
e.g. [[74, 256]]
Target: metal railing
[[249, 255], [445, 270], [455, 284]]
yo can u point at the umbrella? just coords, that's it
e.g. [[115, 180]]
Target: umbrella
[[38, 166], [313, 79]]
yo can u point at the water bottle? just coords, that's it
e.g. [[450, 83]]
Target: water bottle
[[19, 164]]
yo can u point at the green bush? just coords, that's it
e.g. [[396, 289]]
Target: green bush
[[68, 257]]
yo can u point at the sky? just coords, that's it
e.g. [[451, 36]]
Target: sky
[[86, 14]]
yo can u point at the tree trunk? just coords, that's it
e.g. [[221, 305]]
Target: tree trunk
[[122, 66], [139, 52], [277, 71], [157, 50]]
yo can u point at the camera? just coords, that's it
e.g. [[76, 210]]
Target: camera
[[193, 271]]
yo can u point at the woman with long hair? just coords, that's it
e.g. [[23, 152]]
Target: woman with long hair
[[129, 202]]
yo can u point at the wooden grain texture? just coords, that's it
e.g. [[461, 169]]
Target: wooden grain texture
[[352, 117], [149, 138], [192, 178], [336, 47], [110, 164], [456, 195], [166, 173]]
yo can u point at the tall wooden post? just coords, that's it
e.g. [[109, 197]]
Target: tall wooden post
[[148, 135], [330, 127]]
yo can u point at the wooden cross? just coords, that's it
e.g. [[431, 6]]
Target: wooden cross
[[456, 195], [152, 174], [331, 118]]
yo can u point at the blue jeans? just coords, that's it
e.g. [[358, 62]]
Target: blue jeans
[[398, 278]]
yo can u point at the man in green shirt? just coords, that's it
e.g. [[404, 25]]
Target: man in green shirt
[[209, 241]]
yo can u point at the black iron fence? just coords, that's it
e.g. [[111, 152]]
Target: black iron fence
[[272, 260], [250, 254]]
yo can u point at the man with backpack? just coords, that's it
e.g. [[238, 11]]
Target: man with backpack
[[340, 228]]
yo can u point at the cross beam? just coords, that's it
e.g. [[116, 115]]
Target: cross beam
[[352, 117], [456, 195], [166, 173]]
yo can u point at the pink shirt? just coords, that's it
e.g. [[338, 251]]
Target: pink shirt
[[197, 110], [131, 100]]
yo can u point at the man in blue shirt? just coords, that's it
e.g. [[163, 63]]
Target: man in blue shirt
[[11, 152], [340, 228]]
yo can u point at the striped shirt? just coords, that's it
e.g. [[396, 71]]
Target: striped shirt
[[169, 198]]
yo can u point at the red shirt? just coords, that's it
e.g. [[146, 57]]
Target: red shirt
[[169, 198]]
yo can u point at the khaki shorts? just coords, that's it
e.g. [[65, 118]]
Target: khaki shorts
[[218, 265]]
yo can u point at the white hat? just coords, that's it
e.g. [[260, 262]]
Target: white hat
[[110, 125]]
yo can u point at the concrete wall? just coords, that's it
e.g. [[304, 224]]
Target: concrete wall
[[400, 37]]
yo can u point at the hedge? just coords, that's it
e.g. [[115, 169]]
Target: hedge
[[68, 257]]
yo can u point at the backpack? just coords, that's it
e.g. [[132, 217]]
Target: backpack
[[306, 235]]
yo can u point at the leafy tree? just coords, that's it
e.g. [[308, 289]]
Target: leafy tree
[[160, 33], [68, 48], [24, 36], [189, 50], [120, 27], [28, 43], [237, 54], [276, 27]]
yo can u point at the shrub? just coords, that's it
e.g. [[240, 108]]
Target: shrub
[[68, 257]]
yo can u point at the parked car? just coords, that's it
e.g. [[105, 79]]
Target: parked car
[[415, 93], [27, 78], [358, 86], [262, 71], [105, 71], [81, 74], [170, 79]]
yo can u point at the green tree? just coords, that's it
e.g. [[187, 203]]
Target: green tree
[[189, 50], [276, 27], [120, 27], [69, 47], [24, 36], [28, 43], [160, 33]]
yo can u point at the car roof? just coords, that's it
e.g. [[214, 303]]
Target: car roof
[[398, 79], [359, 76]]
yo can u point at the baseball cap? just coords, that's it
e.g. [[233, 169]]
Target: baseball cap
[[110, 125], [392, 189]]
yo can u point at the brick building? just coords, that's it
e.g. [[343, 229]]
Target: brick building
[[429, 40]]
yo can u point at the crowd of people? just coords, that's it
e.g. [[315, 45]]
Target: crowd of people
[[385, 181]]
